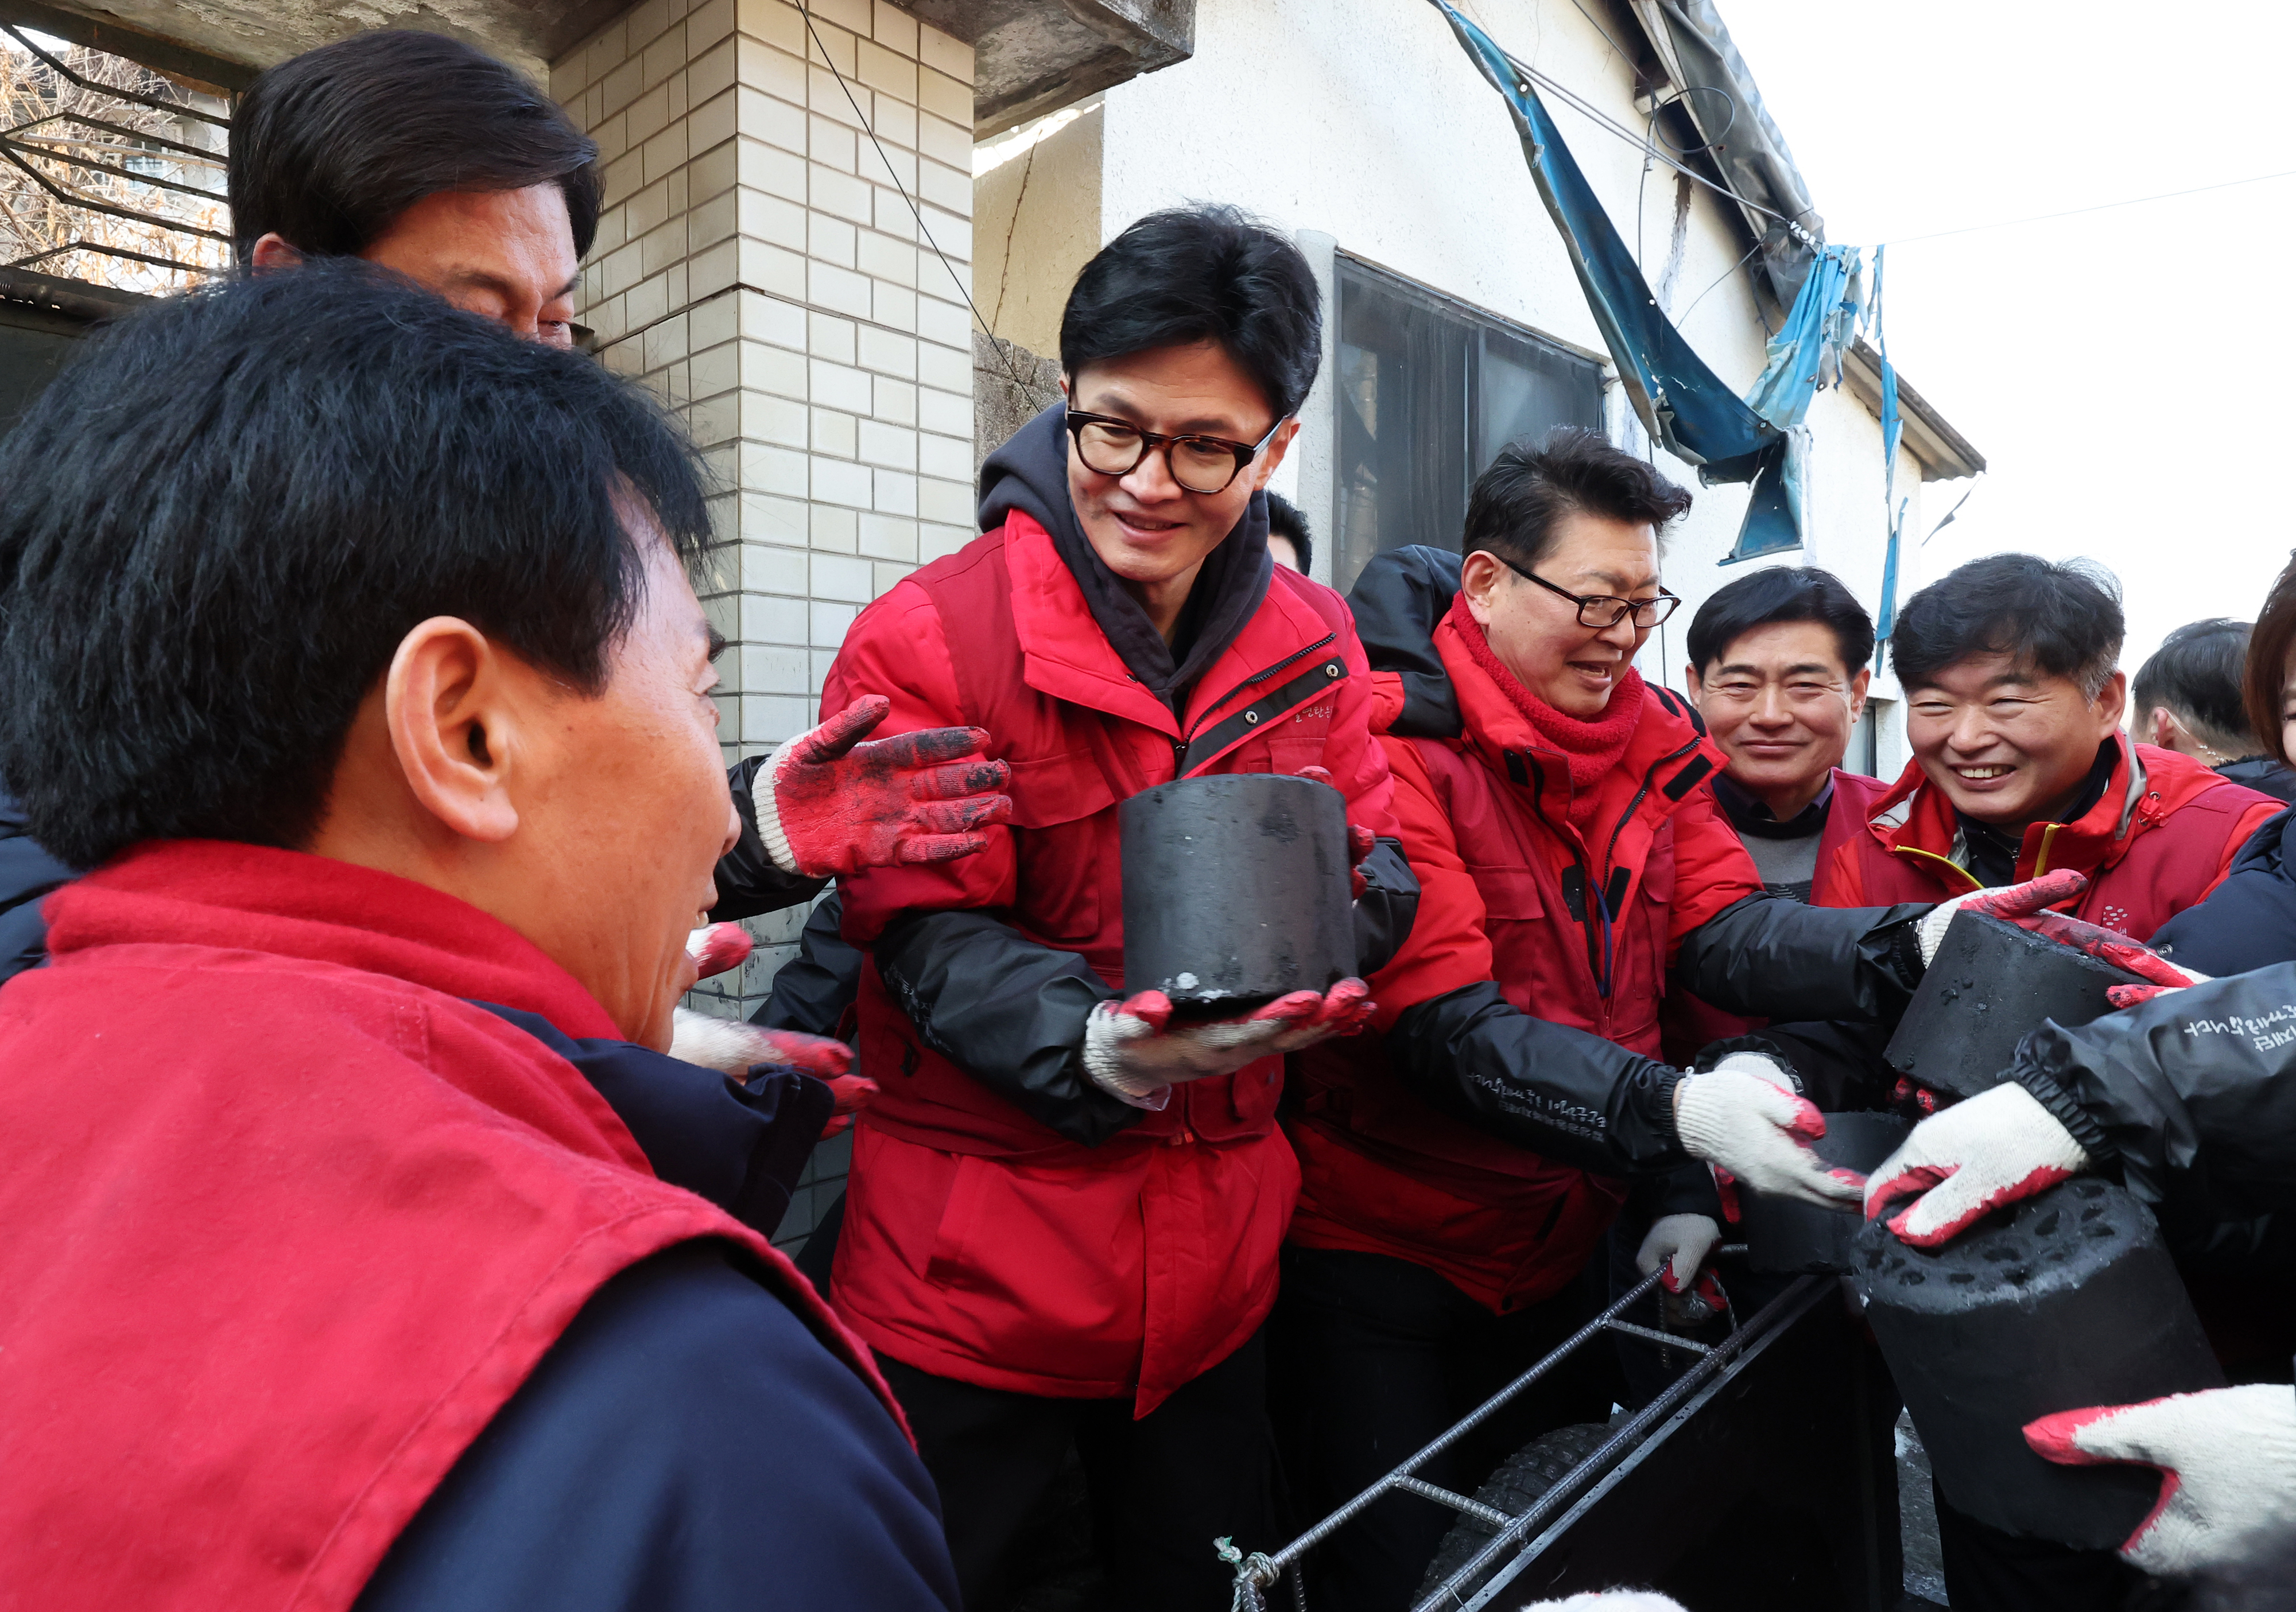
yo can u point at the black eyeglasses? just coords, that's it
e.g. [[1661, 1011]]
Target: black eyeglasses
[[1200, 464], [1646, 612]]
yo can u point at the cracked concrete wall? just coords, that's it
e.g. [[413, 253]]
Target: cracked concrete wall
[[1037, 216]]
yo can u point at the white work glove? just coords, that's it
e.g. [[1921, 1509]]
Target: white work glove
[[2010, 902], [1682, 1243], [2228, 1460], [1966, 1161], [1130, 1052], [828, 803], [1744, 1119]]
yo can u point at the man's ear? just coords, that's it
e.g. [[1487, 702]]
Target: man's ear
[[2161, 729], [1694, 683], [450, 713], [1858, 685], [273, 252], [1481, 574], [1284, 432], [2111, 703]]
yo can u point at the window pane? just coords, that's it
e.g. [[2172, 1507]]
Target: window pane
[[1429, 391]]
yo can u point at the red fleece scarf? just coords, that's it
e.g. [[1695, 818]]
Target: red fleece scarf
[[1591, 746]]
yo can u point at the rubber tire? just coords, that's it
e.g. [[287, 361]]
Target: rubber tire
[[1521, 1481]]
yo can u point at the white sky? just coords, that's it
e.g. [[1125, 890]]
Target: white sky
[[2125, 373]]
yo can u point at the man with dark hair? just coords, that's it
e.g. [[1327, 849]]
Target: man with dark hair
[[377, 698], [1063, 1215], [1460, 1172], [426, 155], [2189, 698], [1288, 538], [1778, 668], [423, 154], [2013, 700]]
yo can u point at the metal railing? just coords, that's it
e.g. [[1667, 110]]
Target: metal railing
[[1259, 1571], [118, 182]]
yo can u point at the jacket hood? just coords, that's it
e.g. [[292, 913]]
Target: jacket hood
[[1396, 601], [1030, 474]]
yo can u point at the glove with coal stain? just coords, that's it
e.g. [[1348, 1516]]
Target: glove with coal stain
[[2016, 904], [1744, 1118], [2227, 1461], [1968, 1160], [1133, 1050], [1682, 1243], [833, 804]]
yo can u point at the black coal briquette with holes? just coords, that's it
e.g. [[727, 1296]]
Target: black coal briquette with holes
[[1789, 1237], [1235, 891], [1991, 984], [2063, 1301]]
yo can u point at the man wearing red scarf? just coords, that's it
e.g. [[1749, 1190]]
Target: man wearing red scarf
[[1460, 1172]]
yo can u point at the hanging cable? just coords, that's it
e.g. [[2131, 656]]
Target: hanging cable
[[964, 291], [2101, 207]]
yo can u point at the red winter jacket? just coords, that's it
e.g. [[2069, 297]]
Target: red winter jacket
[[289, 1220], [1506, 883], [2162, 836], [980, 1242]]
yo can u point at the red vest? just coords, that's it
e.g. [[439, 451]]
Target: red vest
[[978, 1243], [288, 1222], [1484, 825], [2158, 841]]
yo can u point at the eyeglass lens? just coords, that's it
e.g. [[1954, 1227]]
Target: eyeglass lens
[[1198, 464]]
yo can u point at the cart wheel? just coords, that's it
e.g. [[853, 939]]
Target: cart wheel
[[1521, 1480]]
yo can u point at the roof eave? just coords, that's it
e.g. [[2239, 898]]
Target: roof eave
[[1946, 454]]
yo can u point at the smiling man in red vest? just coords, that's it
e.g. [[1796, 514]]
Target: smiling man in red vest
[[1063, 1218], [362, 1246], [2013, 703]]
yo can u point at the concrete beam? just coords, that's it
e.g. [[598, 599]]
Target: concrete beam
[[1035, 56]]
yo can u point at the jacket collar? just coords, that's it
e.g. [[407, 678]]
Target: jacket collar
[[1915, 821], [1668, 757], [246, 897], [1065, 654]]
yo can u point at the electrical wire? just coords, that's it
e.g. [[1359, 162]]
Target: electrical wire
[[964, 291], [2075, 212], [1725, 273]]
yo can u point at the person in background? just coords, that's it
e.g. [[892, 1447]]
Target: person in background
[[1288, 541], [1461, 1170], [378, 699], [2013, 701], [422, 154], [1061, 1225], [2187, 699]]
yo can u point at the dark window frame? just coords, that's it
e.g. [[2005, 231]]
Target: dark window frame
[[1410, 361]]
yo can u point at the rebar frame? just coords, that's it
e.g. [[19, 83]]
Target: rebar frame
[[1258, 1571]]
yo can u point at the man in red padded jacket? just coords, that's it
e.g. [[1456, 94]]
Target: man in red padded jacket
[[362, 1247]]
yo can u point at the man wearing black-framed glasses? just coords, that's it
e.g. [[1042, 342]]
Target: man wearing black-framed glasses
[[1062, 1225], [1461, 1173]]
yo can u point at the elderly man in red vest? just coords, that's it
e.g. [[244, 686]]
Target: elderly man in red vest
[[2014, 703]]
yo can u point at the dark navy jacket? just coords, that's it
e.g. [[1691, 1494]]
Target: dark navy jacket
[[2249, 921], [687, 1445], [26, 875]]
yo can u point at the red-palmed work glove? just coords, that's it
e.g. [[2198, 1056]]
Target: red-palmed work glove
[[1968, 1160], [831, 804], [1682, 1244], [1361, 840], [1743, 1119], [2011, 902], [2227, 1459], [1133, 1051]]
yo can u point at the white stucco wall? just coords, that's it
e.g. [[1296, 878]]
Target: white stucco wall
[[1363, 128]]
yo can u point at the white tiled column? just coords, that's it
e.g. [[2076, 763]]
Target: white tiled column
[[758, 264]]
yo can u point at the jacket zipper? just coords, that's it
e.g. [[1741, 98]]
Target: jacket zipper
[[1203, 719]]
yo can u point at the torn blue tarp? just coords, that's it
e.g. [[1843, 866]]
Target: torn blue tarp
[[1683, 405], [1805, 356], [1893, 426]]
